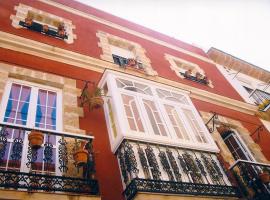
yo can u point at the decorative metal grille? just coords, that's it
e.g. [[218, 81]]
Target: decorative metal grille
[[170, 187], [40, 164], [166, 165], [153, 162]]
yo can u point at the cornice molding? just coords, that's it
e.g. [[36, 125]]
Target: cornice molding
[[124, 29], [31, 47]]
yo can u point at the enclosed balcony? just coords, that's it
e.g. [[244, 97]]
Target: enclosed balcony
[[155, 169], [46, 161], [252, 178]]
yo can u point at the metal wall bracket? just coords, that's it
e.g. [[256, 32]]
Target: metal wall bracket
[[212, 121]]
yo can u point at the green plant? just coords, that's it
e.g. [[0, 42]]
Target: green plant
[[92, 98]]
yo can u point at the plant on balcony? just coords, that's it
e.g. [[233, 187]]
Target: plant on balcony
[[264, 176], [28, 21], [61, 30], [80, 154], [36, 139]]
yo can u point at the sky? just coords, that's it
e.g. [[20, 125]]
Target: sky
[[238, 27]]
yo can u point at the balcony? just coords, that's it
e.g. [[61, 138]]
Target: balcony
[[252, 178], [128, 63], [190, 77], [39, 28], [151, 168], [54, 166]]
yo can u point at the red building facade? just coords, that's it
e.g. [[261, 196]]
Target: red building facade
[[104, 50]]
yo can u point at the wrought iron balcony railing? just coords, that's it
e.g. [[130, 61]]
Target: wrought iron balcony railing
[[63, 162], [125, 62], [193, 78], [39, 28], [252, 178], [261, 98], [162, 169]]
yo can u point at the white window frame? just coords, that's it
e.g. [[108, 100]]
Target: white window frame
[[172, 139], [30, 122]]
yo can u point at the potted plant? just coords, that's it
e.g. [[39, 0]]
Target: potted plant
[[95, 99], [188, 73], [45, 28], [80, 154], [28, 21], [264, 176], [36, 139], [132, 62], [61, 30]]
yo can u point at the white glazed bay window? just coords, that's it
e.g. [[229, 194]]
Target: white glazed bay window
[[146, 111], [30, 105]]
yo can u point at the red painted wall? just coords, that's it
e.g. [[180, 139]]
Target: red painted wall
[[87, 42]]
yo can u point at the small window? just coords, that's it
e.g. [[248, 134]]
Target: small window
[[43, 22], [237, 147]]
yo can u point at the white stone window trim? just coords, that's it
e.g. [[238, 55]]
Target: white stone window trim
[[188, 65], [138, 51], [241, 144], [32, 113], [123, 131], [22, 12]]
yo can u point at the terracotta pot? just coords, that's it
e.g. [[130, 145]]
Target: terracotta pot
[[80, 156], [95, 103], [28, 21], [264, 177], [131, 62], [61, 33], [36, 139], [45, 28]]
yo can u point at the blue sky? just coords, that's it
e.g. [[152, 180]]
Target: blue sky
[[238, 27]]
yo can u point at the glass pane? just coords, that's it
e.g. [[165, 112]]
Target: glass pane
[[199, 134], [18, 104], [154, 117], [46, 110], [132, 113]]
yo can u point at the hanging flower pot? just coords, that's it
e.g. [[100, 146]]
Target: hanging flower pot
[[95, 100], [80, 156], [36, 139], [264, 177]]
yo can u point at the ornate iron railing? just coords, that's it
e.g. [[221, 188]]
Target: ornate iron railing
[[124, 62], [170, 187], [39, 28], [193, 78], [252, 178], [156, 168], [52, 166]]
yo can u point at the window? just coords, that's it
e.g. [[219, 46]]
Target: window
[[237, 147], [30, 105], [153, 112], [43, 22], [188, 70]]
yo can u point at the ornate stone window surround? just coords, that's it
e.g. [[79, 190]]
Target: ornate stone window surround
[[43, 18], [179, 66], [106, 41]]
